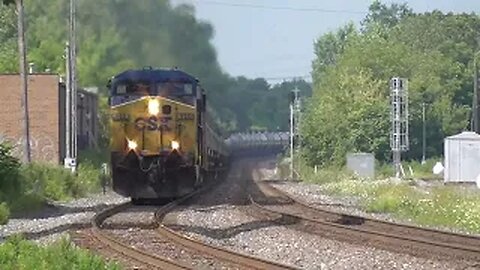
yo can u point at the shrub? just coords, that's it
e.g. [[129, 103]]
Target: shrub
[[25, 187], [48, 181], [9, 171], [58, 183], [18, 253], [4, 213]]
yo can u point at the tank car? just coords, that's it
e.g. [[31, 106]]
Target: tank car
[[163, 144]]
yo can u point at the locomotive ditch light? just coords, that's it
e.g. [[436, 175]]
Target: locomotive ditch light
[[132, 145], [153, 106], [175, 145]]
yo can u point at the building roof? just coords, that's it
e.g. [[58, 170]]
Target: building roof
[[155, 75], [466, 135]]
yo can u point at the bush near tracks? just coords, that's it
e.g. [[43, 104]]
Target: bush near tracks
[[17, 254], [444, 206], [27, 187]]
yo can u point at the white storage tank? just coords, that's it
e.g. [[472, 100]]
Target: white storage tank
[[462, 158]]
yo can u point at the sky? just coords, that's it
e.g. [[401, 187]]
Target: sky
[[274, 39]]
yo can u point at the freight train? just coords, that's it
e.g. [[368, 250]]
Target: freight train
[[163, 141]]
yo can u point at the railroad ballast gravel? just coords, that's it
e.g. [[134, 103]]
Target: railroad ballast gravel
[[151, 242], [50, 222], [218, 220]]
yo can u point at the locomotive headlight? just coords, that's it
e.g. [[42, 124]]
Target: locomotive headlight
[[132, 145], [175, 145], [153, 106]]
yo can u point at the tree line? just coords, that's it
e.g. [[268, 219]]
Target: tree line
[[349, 109], [114, 35]]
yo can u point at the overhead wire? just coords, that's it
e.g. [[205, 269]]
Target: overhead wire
[[280, 78], [288, 8]]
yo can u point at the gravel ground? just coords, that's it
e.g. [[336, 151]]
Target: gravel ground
[[223, 218], [54, 219], [133, 217], [149, 240]]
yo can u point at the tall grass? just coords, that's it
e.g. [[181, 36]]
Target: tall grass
[[26, 187], [445, 206], [17, 254], [420, 171]]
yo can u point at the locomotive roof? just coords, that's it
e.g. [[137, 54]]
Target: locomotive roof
[[156, 75]]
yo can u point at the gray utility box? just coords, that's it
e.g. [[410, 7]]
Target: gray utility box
[[462, 157], [362, 164]]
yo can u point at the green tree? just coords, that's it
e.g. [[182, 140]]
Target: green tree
[[433, 50], [386, 17]]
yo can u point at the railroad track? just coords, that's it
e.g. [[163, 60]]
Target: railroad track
[[137, 255], [392, 236], [243, 261]]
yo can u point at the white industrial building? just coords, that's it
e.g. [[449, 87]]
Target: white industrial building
[[462, 158]]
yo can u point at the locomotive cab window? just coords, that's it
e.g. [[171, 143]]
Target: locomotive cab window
[[133, 89], [183, 92]]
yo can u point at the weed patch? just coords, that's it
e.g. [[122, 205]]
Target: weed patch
[[17, 253], [444, 206], [25, 188]]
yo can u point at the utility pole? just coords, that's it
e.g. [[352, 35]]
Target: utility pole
[[27, 156], [73, 74], [291, 139], [424, 136], [68, 110], [71, 95], [294, 117], [475, 118]]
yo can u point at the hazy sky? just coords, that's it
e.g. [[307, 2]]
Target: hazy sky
[[274, 38]]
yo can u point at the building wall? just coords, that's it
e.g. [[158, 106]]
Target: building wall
[[47, 116], [44, 111]]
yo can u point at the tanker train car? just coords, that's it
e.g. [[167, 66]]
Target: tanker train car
[[163, 143]]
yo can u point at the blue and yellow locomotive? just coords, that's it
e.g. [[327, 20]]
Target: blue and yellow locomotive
[[163, 143]]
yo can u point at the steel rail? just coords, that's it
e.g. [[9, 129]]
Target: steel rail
[[247, 261], [470, 245], [125, 250]]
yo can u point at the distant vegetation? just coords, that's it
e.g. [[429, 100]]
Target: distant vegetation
[[20, 254], [115, 35], [349, 110]]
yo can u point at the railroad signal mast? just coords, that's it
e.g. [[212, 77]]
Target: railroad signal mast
[[476, 97], [399, 122]]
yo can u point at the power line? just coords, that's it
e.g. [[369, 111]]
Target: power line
[[311, 9], [286, 78]]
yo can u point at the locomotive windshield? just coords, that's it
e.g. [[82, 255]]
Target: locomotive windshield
[[183, 92], [133, 89], [179, 91]]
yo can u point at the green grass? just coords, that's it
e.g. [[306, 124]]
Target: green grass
[[19, 254], [444, 206], [57, 183], [25, 188], [420, 171]]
